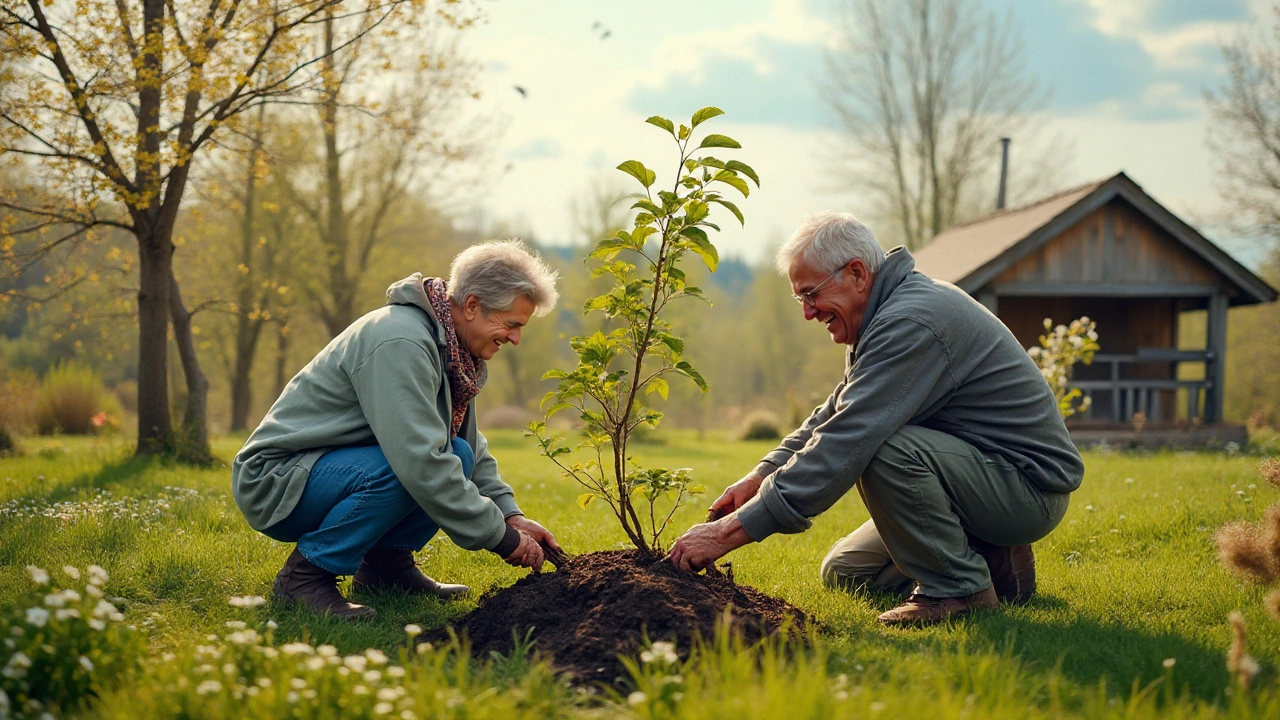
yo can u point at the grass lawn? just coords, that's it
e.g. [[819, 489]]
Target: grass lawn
[[1130, 621]]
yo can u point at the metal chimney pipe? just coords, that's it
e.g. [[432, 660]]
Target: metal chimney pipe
[[1004, 171]]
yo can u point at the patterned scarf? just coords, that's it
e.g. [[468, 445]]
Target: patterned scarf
[[467, 374]]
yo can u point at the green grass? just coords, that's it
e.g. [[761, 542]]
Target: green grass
[[1128, 580]]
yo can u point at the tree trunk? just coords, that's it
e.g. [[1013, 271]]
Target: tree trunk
[[195, 420], [282, 358], [156, 271], [248, 328], [341, 285]]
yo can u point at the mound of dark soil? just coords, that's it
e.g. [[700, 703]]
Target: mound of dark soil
[[601, 604]]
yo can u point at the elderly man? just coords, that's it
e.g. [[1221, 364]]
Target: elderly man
[[373, 446], [942, 421]]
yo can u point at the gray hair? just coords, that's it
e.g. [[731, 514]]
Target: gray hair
[[499, 271], [829, 240]]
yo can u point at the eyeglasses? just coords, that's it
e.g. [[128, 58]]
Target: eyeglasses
[[810, 297]]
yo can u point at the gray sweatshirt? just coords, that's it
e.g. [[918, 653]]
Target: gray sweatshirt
[[381, 381], [928, 355]]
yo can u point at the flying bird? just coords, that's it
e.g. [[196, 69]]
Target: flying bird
[[600, 28], [523, 93]]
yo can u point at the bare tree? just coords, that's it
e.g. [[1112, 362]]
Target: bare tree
[[382, 145], [924, 89], [1245, 132], [113, 99]]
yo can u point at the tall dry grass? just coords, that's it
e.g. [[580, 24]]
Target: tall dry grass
[[1252, 550]]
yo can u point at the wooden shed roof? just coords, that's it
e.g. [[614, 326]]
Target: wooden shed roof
[[972, 254]]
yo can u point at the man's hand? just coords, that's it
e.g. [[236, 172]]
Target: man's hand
[[735, 496], [534, 530], [701, 545], [527, 554]]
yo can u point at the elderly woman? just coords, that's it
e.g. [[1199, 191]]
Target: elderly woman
[[373, 446]]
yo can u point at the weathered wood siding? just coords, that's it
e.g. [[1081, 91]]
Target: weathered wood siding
[[1116, 244]]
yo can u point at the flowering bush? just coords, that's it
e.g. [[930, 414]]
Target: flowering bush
[[1061, 347], [62, 644]]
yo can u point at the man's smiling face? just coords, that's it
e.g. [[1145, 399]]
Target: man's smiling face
[[482, 334], [840, 303]]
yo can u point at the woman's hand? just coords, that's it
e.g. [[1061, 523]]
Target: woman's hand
[[533, 529], [527, 554]]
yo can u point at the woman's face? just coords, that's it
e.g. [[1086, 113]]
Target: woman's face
[[483, 333]]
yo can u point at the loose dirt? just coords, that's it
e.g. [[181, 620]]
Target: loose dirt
[[599, 605]]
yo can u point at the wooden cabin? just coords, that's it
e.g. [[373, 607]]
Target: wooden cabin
[[1109, 251]]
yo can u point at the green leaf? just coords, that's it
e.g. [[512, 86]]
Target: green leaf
[[695, 210], [609, 247], [697, 292], [663, 123], [647, 205], [554, 375], [744, 169], [672, 342], [585, 499], [687, 369], [732, 208], [684, 133], [659, 386], [556, 408], [699, 243], [724, 141], [705, 114], [729, 177], [637, 170], [712, 162]]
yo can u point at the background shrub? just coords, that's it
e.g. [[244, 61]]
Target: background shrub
[[760, 425], [70, 396], [17, 408]]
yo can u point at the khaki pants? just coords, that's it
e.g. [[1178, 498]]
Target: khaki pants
[[925, 490]]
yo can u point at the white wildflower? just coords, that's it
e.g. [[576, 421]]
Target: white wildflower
[[208, 686], [356, 662], [326, 651], [377, 657], [272, 625], [19, 660], [263, 682], [247, 601], [103, 609], [243, 637], [37, 616], [637, 698], [395, 671], [71, 571], [236, 624], [660, 651], [1169, 662], [423, 648], [64, 613], [39, 576], [297, 683], [55, 600], [408, 715], [86, 663], [372, 676], [315, 663], [291, 697], [383, 708], [93, 590], [97, 576], [387, 694], [413, 629], [360, 690], [297, 648]]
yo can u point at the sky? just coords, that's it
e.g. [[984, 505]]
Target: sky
[[1126, 82]]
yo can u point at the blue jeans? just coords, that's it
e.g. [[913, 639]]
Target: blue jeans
[[353, 502]]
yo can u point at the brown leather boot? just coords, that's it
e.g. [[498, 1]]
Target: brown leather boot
[[300, 581], [387, 569], [1013, 569], [924, 610]]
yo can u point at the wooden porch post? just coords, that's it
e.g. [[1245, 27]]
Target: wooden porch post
[[1215, 369], [988, 298]]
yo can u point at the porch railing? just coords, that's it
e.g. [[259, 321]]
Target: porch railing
[[1130, 395]]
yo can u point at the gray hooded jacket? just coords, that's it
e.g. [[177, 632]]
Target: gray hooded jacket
[[381, 381], [928, 355]]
